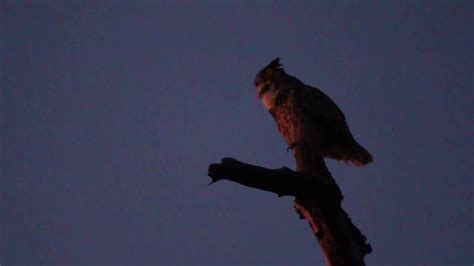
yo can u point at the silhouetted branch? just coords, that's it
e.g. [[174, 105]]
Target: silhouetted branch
[[282, 181], [318, 200]]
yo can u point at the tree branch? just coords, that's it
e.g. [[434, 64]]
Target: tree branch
[[318, 200], [282, 181]]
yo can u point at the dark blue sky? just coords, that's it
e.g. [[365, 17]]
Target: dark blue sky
[[111, 113]]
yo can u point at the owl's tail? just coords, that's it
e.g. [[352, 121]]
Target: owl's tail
[[350, 151], [358, 155]]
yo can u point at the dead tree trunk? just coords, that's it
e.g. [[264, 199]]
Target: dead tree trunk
[[341, 241], [317, 199]]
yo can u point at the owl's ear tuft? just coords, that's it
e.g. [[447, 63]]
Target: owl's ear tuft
[[275, 64], [266, 73]]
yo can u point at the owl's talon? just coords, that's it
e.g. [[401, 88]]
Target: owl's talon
[[294, 144]]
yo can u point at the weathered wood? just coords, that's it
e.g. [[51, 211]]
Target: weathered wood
[[318, 200], [282, 181], [341, 241]]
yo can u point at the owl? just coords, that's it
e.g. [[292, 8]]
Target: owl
[[306, 116]]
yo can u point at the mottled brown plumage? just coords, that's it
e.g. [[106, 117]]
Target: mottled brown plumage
[[307, 116]]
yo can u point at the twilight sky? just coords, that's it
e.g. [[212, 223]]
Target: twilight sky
[[111, 112]]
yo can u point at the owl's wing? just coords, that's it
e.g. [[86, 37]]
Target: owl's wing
[[327, 128], [319, 104]]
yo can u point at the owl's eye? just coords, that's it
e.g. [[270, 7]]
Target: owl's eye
[[264, 89]]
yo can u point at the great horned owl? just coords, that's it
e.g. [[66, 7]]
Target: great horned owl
[[305, 115]]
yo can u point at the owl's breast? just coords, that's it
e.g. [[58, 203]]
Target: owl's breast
[[290, 122]]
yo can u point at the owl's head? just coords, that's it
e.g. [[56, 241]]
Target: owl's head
[[268, 75]]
